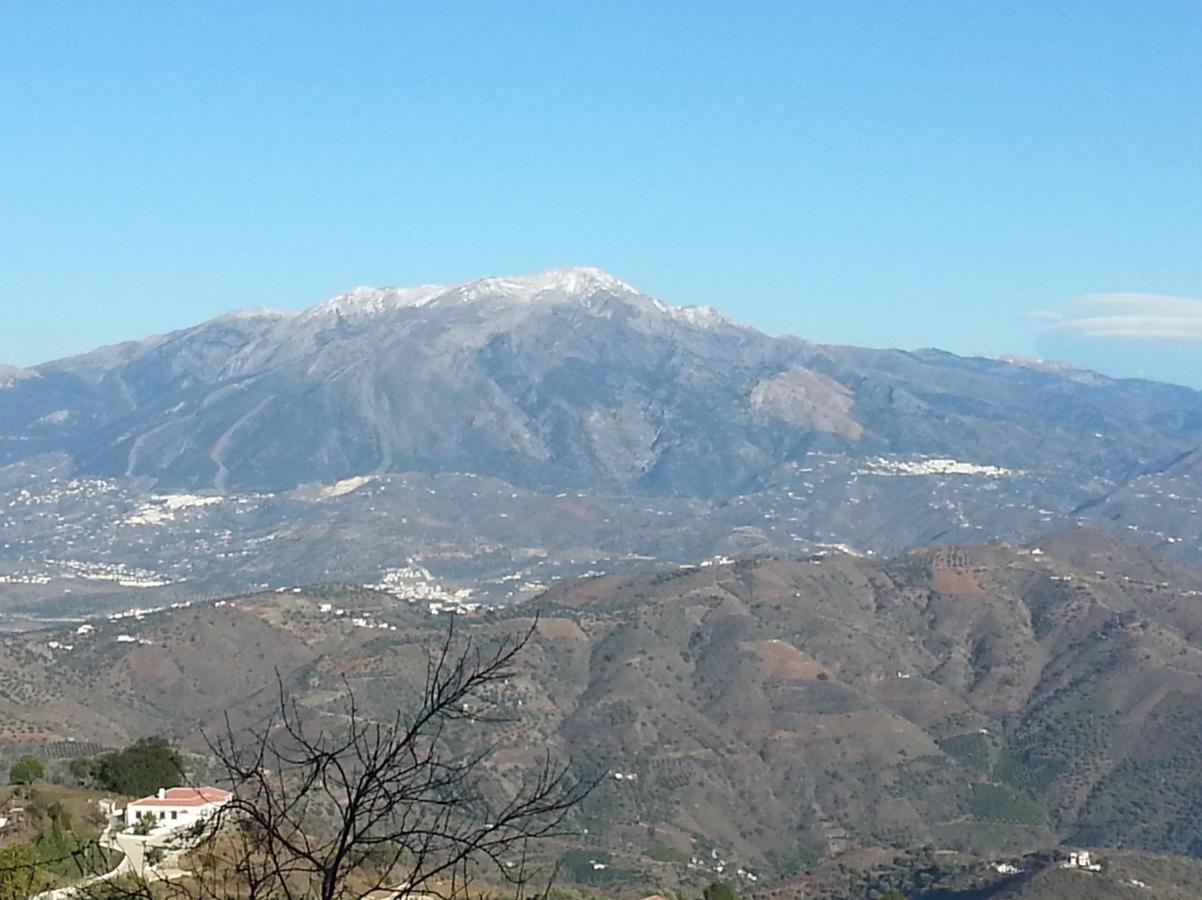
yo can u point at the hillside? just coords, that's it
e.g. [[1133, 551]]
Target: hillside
[[1047, 875], [1125, 876], [763, 714], [507, 432]]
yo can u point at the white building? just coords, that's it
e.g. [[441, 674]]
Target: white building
[[1082, 859], [177, 807]]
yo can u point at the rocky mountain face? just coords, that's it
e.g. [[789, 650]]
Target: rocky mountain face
[[510, 431], [758, 715], [568, 379]]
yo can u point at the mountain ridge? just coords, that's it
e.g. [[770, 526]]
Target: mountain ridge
[[570, 354], [606, 424], [367, 300]]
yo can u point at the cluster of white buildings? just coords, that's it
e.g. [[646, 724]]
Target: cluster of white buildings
[[720, 866], [161, 508], [933, 466], [415, 583], [118, 573], [25, 578], [139, 612]]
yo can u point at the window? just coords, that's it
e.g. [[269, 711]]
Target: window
[[175, 814]]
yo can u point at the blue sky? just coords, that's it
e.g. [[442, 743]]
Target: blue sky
[[986, 177]]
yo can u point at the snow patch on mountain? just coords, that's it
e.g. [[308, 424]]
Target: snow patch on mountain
[[571, 282], [698, 316], [581, 285], [367, 302], [1056, 367]]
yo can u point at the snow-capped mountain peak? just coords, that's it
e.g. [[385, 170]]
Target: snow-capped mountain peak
[[583, 286], [570, 281], [364, 302]]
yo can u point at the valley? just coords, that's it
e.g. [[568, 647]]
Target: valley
[[759, 714]]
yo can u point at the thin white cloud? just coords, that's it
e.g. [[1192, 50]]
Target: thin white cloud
[[1131, 315]]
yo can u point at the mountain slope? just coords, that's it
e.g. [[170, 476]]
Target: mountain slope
[[569, 378], [504, 433]]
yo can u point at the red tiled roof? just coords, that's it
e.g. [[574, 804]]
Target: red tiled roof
[[185, 796]]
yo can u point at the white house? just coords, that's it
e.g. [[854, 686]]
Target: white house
[[177, 807], [1082, 859]]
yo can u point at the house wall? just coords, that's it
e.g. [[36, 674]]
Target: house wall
[[170, 816]]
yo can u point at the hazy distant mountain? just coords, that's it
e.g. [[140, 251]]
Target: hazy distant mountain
[[570, 378], [508, 432]]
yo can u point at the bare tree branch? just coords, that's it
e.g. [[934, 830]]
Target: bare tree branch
[[327, 813]]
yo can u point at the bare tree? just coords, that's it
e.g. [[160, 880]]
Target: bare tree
[[325, 813]]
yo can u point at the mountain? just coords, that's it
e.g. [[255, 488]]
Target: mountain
[[548, 426], [567, 379], [988, 699]]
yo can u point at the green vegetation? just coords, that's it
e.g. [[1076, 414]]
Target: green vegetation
[[912, 874], [140, 769], [19, 870], [970, 750], [913, 569], [720, 891], [660, 853], [84, 770], [1024, 771], [1155, 801], [580, 866], [27, 770], [999, 803], [49, 849], [594, 868]]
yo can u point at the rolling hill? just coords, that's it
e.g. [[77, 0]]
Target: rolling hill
[[763, 714]]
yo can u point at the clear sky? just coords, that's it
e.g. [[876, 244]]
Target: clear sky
[[988, 177]]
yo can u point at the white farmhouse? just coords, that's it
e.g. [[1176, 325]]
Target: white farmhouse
[[1082, 859], [177, 807]]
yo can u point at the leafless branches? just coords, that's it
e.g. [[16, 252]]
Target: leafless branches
[[332, 812]]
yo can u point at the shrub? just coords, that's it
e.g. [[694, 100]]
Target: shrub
[[27, 770]]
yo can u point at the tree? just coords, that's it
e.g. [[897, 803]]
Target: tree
[[140, 769], [84, 770], [336, 812], [27, 770], [20, 876], [720, 891]]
